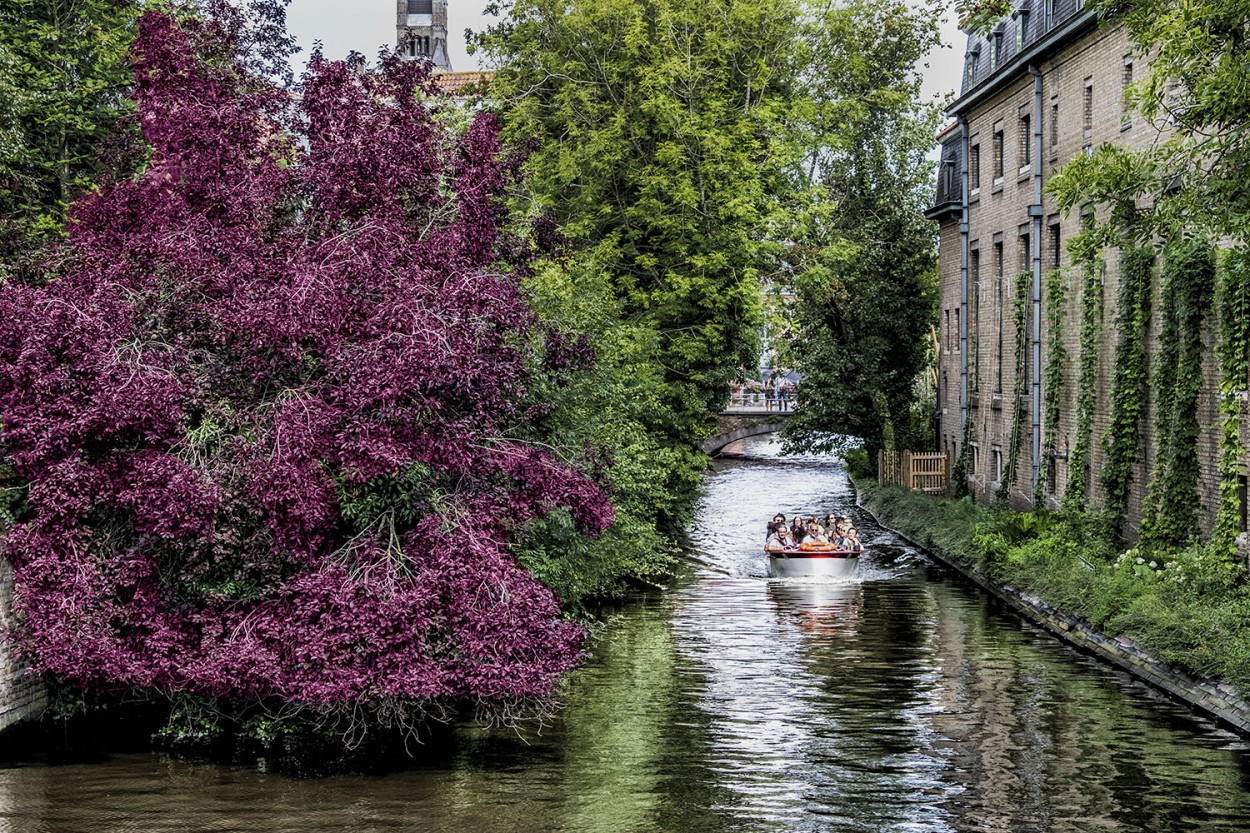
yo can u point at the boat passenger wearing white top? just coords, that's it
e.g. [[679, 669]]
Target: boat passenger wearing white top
[[779, 540]]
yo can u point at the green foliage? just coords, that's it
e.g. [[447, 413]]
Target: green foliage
[[657, 145], [861, 254], [1130, 378], [1233, 303], [1092, 299], [1187, 606], [1020, 324], [980, 16], [1199, 59], [1053, 376], [64, 77], [857, 462], [1170, 512]]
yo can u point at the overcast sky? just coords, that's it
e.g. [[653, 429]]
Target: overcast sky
[[366, 25]]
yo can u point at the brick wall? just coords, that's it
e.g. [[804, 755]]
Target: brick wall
[[21, 694], [1083, 80]]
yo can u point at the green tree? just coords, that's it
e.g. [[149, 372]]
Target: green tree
[[657, 150], [64, 82], [863, 255]]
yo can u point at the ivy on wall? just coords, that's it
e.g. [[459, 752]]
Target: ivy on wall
[[1056, 281], [1234, 353], [1092, 301], [1170, 513], [1129, 380], [1020, 323]]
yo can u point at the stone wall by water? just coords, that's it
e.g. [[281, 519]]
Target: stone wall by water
[[1218, 700], [22, 694]]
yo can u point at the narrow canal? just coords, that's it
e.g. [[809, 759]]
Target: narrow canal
[[905, 701]]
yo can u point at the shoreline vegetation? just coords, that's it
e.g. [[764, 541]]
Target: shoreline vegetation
[[1185, 607]]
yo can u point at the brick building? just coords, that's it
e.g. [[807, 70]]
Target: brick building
[[1046, 84]]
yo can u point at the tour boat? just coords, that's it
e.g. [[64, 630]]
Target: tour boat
[[801, 563]]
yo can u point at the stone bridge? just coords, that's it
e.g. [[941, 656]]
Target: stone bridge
[[737, 422]]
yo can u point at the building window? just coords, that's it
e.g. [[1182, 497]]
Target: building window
[[1026, 141], [1126, 104], [1087, 121], [998, 153], [1026, 254], [946, 327], [1052, 479], [999, 296], [1022, 25], [997, 461], [974, 169], [996, 45], [970, 68], [1049, 14], [1056, 243], [974, 458], [1080, 4], [958, 333], [1054, 126]]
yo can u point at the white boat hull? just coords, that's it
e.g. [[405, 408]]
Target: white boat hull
[[805, 564]]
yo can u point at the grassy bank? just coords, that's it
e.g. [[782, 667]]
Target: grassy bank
[[1189, 607]]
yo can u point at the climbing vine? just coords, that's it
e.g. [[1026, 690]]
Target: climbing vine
[[1020, 321], [1053, 375], [1234, 352], [959, 472], [1129, 379], [1188, 283], [1092, 301]]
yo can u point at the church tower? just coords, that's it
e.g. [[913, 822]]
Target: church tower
[[421, 31]]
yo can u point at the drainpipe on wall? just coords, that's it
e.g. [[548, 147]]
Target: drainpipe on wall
[[964, 150], [1035, 212]]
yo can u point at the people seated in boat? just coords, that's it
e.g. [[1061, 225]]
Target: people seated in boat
[[850, 542], [813, 534], [779, 539], [798, 529], [830, 524], [779, 518]]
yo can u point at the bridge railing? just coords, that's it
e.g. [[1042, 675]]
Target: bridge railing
[[928, 472]]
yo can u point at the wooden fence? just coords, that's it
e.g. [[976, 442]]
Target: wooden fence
[[927, 472]]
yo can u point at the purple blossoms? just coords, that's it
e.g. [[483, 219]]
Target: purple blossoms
[[265, 414]]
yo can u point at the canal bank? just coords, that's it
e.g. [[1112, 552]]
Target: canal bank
[[1215, 698]]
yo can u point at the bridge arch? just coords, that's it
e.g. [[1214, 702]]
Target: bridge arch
[[739, 423]]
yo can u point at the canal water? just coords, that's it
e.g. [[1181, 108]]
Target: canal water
[[904, 701]]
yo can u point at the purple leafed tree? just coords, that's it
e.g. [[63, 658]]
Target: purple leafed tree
[[265, 415]]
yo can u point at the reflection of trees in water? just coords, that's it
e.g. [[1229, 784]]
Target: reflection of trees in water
[[635, 755], [1038, 742]]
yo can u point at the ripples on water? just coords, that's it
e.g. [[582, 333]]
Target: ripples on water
[[903, 701]]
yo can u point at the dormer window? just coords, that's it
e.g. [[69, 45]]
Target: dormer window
[[996, 47], [970, 66]]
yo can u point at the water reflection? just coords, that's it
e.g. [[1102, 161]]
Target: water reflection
[[904, 701]]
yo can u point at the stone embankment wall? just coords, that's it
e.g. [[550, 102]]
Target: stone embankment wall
[[1215, 699], [22, 695]]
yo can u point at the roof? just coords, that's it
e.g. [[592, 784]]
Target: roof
[[461, 84]]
